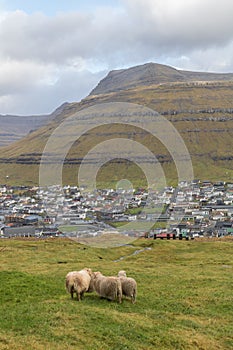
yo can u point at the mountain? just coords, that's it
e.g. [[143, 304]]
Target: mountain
[[152, 74], [15, 127], [198, 105]]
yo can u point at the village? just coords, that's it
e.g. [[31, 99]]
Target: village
[[188, 211]]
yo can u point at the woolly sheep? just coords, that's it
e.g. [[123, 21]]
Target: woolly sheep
[[79, 282], [122, 273], [128, 285], [107, 287]]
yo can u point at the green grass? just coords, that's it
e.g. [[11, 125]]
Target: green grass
[[209, 142], [184, 296]]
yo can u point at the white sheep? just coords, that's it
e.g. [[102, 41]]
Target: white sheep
[[79, 282], [128, 285], [122, 273], [108, 287]]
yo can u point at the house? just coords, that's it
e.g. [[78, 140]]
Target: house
[[22, 231]]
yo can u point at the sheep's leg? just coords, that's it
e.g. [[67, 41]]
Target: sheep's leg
[[81, 295], [119, 298], [133, 299]]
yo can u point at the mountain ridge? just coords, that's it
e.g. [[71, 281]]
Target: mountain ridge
[[202, 113], [15, 127], [152, 74]]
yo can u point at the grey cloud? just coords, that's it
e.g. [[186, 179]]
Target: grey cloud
[[145, 27], [148, 25], [184, 22], [48, 58], [44, 98]]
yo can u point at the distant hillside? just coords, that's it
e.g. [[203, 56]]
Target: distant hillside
[[15, 127], [199, 105], [151, 74]]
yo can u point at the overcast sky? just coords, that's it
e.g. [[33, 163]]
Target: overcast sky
[[53, 51]]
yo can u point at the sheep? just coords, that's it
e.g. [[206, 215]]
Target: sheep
[[70, 282], [79, 282], [122, 273], [91, 285], [107, 287], [128, 285]]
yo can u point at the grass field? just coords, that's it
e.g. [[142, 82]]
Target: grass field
[[184, 296]]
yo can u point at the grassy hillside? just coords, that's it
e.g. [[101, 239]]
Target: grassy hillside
[[202, 114], [184, 296]]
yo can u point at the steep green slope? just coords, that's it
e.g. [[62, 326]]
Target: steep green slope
[[202, 113]]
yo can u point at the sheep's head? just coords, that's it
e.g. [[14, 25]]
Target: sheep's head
[[96, 274], [89, 271], [122, 273]]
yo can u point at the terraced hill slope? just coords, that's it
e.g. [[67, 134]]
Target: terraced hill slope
[[199, 106]]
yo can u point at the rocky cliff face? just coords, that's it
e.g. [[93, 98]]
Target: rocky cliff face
[[152, 74]]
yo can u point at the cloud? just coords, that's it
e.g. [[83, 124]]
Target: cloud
[[184, 22], [162, 26], [63, 55], [43, 94]]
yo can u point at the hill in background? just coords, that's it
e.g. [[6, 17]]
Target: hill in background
[[152, 74], [199, 105], [15, 127]]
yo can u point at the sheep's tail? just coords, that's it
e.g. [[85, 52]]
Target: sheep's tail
[[69, 287], [133, 297]]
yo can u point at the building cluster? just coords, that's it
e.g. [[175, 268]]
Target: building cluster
[[199, 208]]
